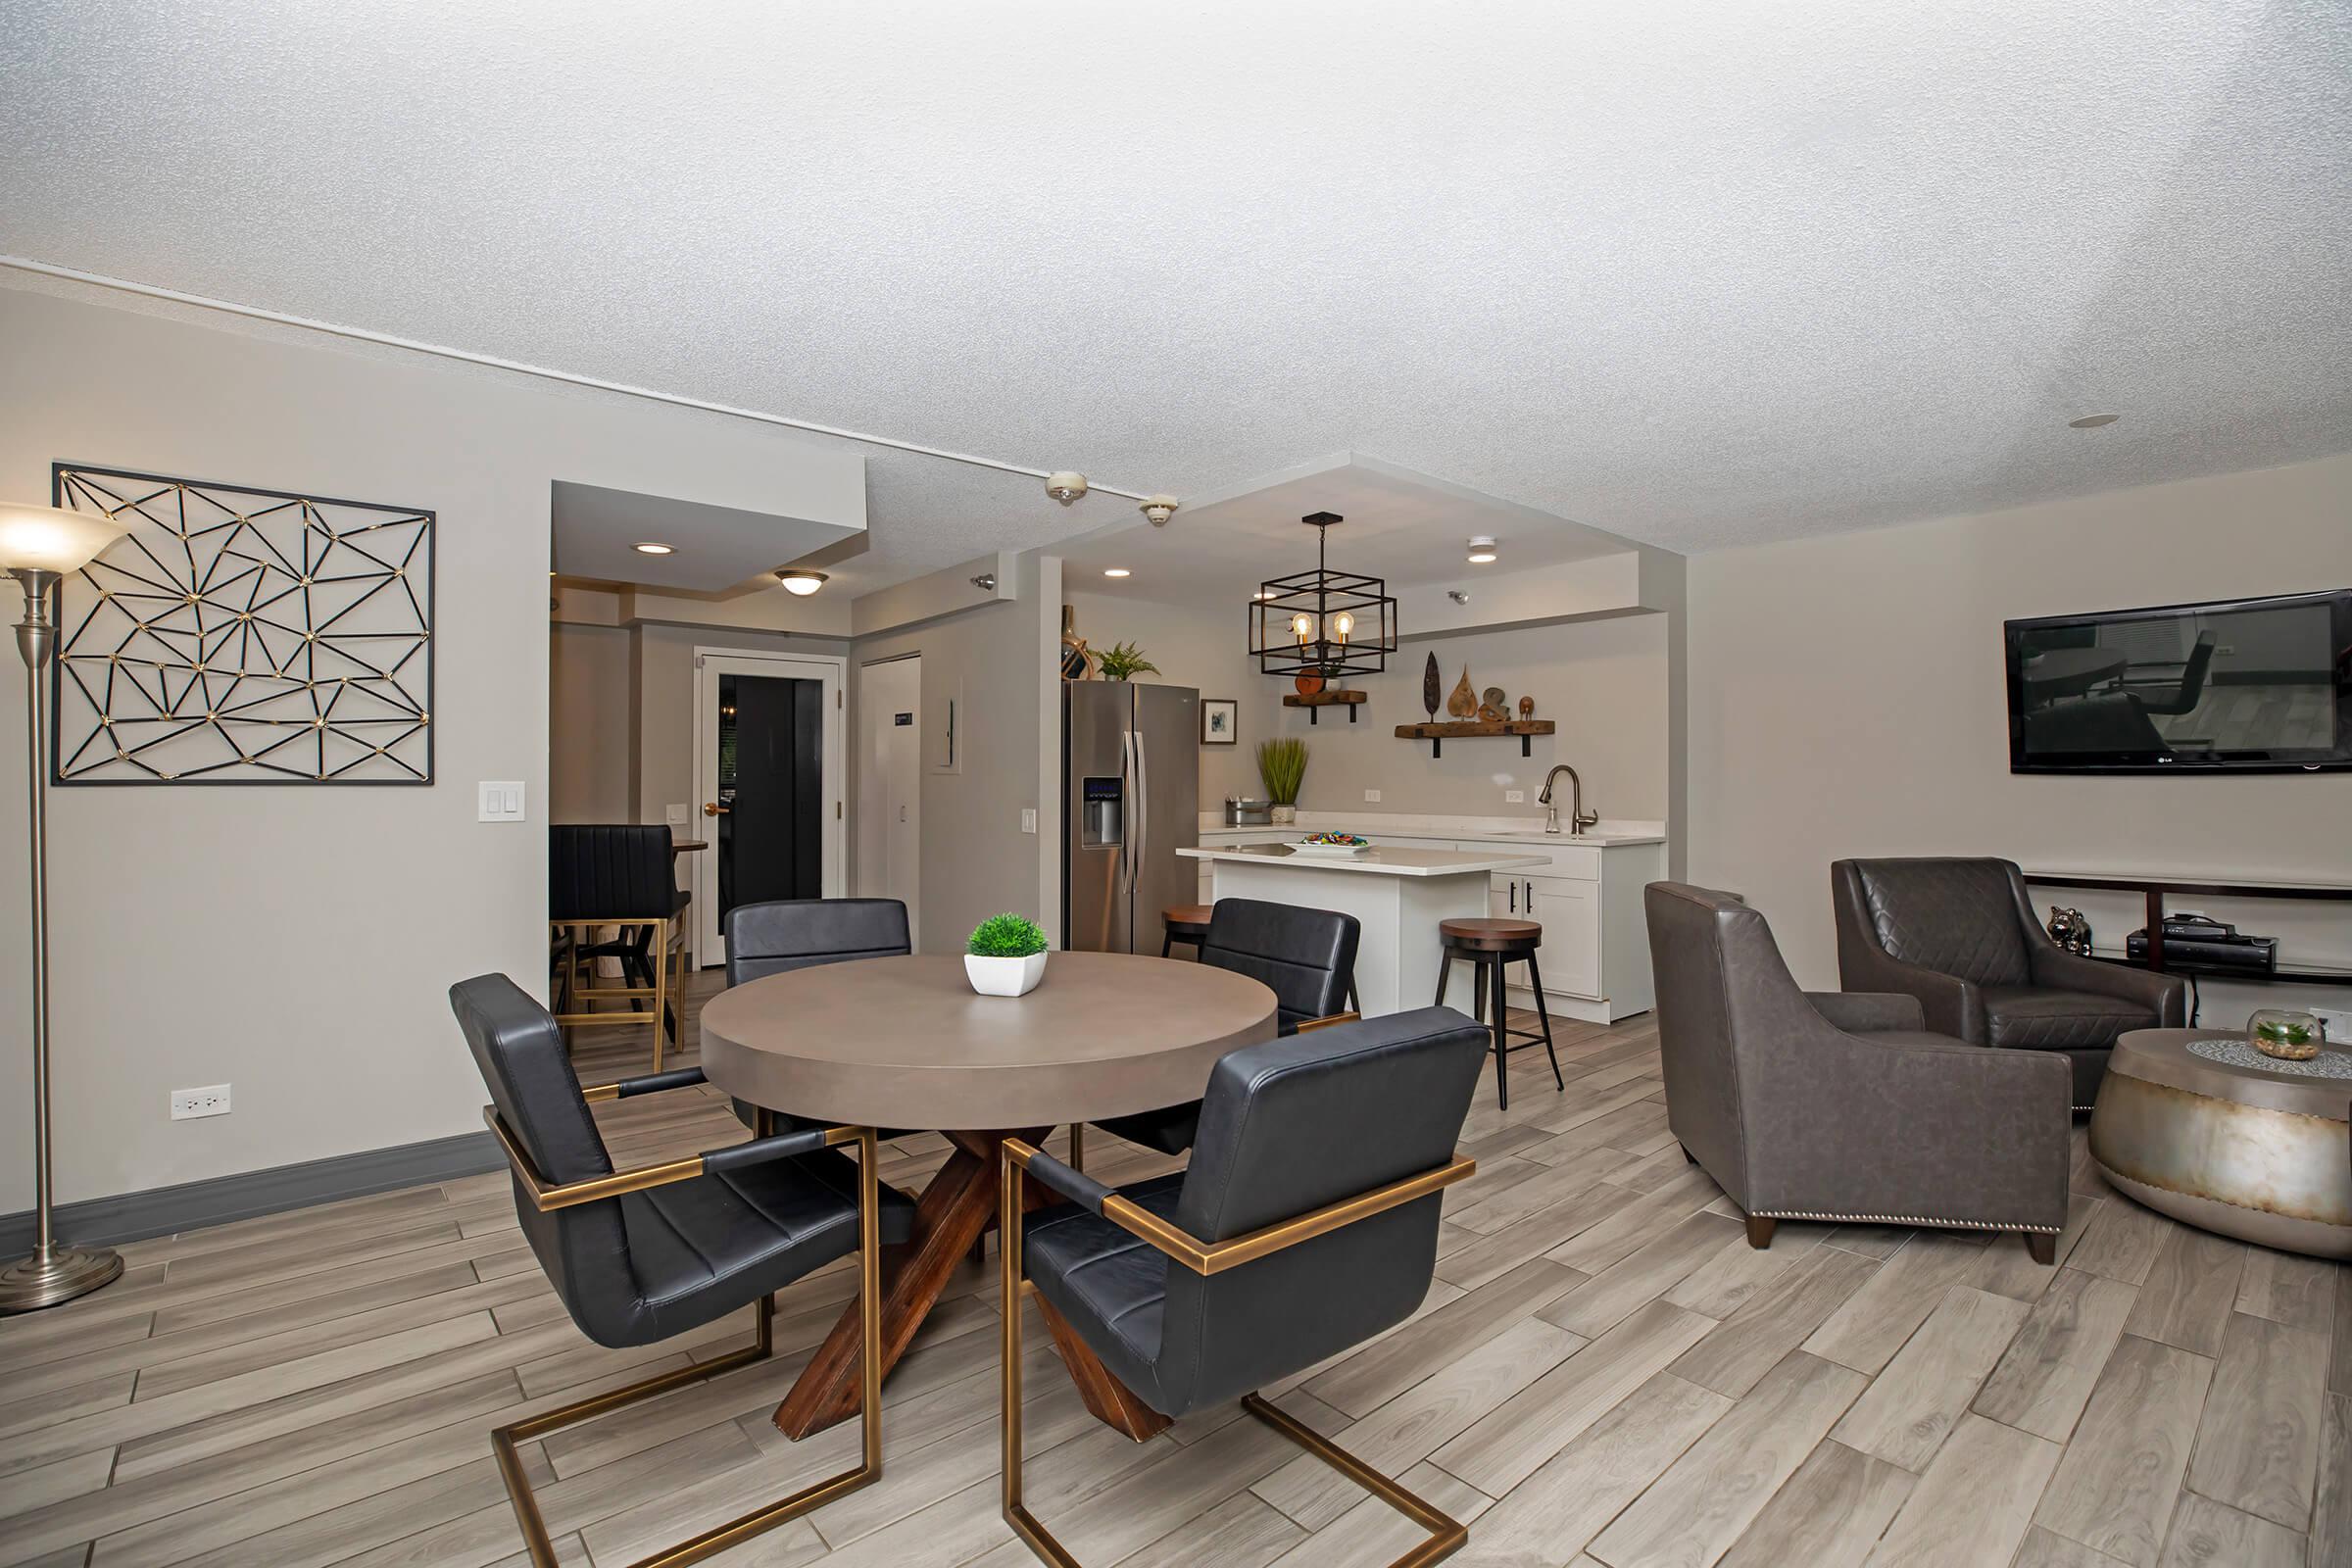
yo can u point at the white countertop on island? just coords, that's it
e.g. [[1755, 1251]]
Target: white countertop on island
[[1607, 833], [1374, 861]]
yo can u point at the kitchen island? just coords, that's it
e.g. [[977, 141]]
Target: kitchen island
[[1398, 894]]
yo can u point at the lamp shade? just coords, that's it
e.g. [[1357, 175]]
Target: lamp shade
[[47, 539]]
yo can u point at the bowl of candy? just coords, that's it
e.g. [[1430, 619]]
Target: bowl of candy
[[1332, 843]]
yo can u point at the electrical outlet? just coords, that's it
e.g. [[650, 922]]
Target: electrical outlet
[[210, 1101], [1371, 797], [1028, 818], [1514, 797]]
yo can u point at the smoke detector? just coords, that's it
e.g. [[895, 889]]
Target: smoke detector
[[1066, 485], [1159, 509]]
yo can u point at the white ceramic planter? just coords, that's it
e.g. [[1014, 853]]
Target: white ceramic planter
[[1283, 816], [1005, 977]]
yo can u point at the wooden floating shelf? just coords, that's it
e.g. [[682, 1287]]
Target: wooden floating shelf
[[1350, 701], [1474, 728]]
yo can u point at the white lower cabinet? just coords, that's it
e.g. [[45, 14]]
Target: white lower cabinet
[[1595, 952]]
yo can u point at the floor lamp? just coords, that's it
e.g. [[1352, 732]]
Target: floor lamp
[[38, 545]]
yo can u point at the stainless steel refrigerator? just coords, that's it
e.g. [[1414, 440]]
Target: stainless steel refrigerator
[[1130, 800]]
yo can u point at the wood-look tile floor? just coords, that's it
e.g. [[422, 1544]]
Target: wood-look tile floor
[[1604, 1373]]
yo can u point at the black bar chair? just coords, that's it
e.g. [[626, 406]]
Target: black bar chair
[[1183, 922], [1307, 956], [640, 1255], [1306, 1223], [1489, 947], [620, 876]]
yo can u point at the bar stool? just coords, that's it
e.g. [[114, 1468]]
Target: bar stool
[[1186, 922], [1488, 945]]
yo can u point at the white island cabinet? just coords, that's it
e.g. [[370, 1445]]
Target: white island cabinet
[[1397, 897], [1584, 889]]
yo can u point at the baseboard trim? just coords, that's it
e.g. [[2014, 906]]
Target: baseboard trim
[[166, 1210]]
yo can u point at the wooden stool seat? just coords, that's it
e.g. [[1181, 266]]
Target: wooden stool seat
[[1185, 922], [1490, 935]]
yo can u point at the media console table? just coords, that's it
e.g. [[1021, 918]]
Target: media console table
[[2155, 890]]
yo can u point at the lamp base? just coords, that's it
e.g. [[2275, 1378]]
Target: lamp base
[[56, 1274]]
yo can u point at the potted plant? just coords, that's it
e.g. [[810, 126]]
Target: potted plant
[[1007, 956], [1124, 661], [1281, 766]]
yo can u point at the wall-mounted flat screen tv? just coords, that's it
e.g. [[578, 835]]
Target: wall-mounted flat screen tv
[[2241, 685]]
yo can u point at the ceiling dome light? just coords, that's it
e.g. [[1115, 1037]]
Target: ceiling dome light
[[803, 583], [653, 550], [1066, 485], [1114, 571], [1482, 551], [2092, 421]]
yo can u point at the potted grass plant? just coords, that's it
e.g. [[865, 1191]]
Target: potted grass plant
[[1006, 956], [1282, 767]]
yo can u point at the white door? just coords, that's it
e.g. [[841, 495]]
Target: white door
[[890, 771], [716, 671]]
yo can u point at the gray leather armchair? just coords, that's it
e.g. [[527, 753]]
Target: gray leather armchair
[[1960, 936], [1306, 1223], [1841, 1106]]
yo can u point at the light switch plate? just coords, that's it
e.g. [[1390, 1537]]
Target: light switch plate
[[1028, 818], [501, 801], [1514, 797], [1371, 797], [677, 815]]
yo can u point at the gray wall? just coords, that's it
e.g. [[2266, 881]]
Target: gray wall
[[1846, 698], [590, 724], [1603, 682], [293, 941]]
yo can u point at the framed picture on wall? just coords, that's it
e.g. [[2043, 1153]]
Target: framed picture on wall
[[1220, 720]]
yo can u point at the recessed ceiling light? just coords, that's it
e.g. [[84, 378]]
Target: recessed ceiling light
[[653, 550], [2092, 421], [803, 583], [1482, 551], [1114, 571]]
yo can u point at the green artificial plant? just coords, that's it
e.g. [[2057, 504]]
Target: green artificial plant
[[1282, 765], [1006, 936], [1124, 661]]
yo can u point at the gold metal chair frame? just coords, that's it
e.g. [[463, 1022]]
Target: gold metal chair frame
[[1446, 1534], [669, 949], [545, 1197]]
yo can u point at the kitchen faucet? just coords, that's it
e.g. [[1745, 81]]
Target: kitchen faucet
[[1579, 818]]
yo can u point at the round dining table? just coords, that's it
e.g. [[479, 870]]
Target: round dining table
[[906, 1043]]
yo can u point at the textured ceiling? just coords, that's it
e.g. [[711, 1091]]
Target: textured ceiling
[[1697, 273]]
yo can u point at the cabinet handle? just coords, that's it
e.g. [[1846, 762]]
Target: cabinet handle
[[1514, 897]]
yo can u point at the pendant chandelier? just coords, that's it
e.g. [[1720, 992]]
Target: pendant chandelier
[[1322, 622]]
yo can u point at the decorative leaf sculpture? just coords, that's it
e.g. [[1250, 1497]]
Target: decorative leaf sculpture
[[1464, 702], [1433, 688]]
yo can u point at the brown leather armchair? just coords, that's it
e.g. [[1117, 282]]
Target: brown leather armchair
[[1838, 1106], [1960, 936]]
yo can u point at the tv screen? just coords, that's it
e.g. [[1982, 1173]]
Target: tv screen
[[2259, 685]]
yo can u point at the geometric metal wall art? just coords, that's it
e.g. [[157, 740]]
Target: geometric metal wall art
[[242, 636]]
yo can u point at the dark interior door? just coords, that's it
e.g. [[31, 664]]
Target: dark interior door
[[771, 754]]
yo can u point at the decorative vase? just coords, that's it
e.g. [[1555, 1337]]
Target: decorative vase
[[1004, 978], [1308, 685], [2287, 1033], [1433, 687], [1282, 815]]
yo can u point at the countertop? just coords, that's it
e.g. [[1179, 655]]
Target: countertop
[[1490, 830], [1372, 863]]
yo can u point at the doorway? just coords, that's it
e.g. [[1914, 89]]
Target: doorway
[[889, 795], [768, 766]]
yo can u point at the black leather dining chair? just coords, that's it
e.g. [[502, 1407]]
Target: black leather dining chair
[[1306, 1223], [788, 934], [1306, 957], [640, 1255], [620, 875]]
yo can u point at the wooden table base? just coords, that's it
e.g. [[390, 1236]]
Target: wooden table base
[[955, 1211]]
